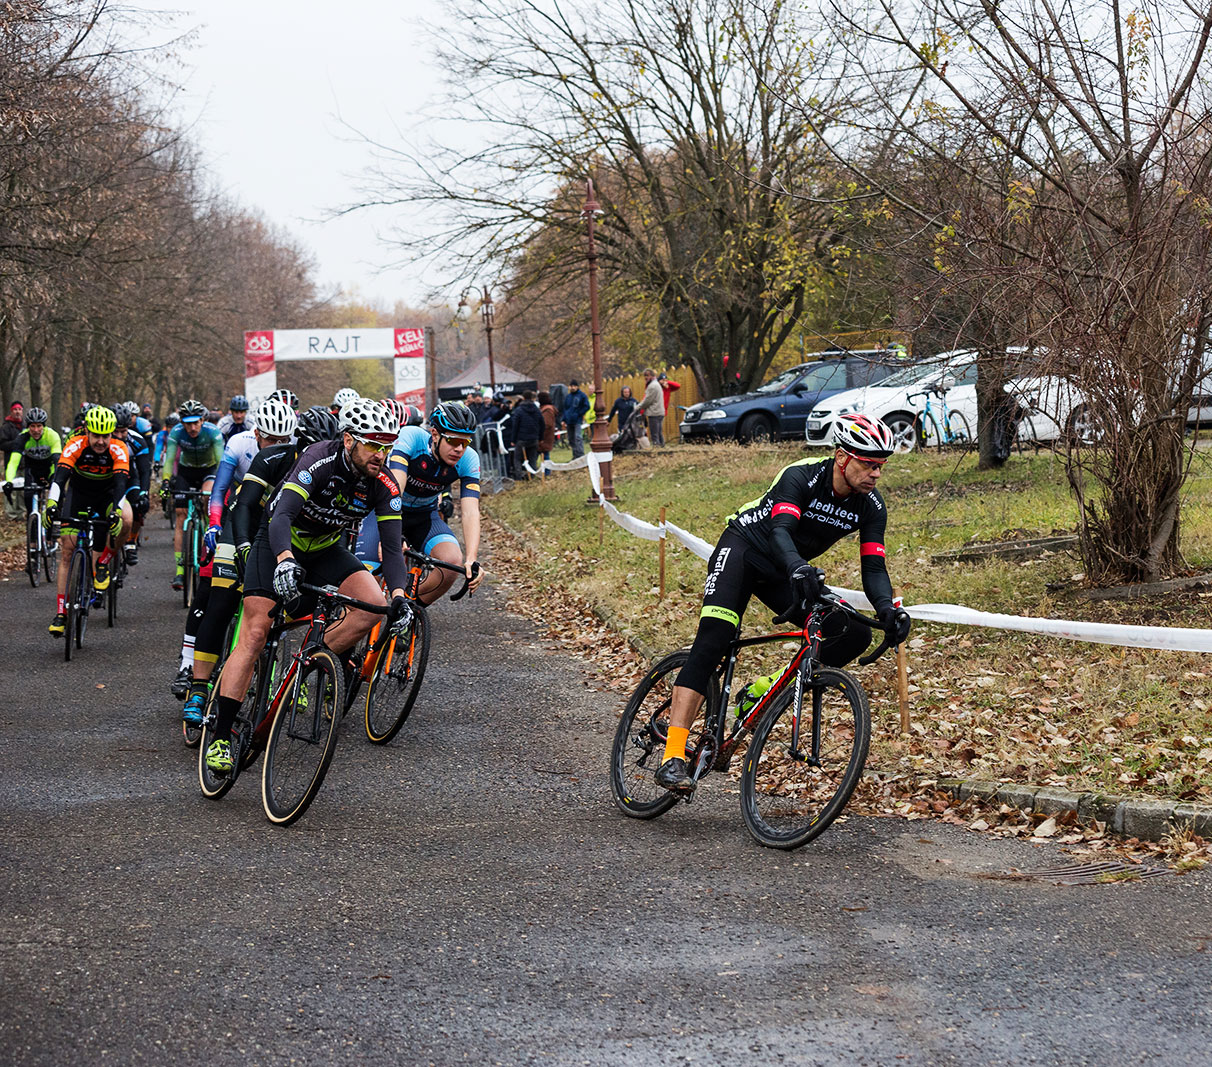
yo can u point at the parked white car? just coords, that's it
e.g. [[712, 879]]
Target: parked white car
[[1049, 405]]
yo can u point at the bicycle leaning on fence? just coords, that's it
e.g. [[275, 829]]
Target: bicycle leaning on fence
[[810, 734]]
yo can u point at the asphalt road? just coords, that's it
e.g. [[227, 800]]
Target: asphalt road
[[469, 894]]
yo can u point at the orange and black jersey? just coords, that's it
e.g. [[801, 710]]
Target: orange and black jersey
[[94, 472]]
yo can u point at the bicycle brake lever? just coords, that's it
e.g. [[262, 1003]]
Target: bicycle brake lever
[[871, 657]]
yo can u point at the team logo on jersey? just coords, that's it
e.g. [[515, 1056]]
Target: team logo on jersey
[[396, 503], [305, 477]]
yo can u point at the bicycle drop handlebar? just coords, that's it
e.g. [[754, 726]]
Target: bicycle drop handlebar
[[833, 600], [429, 561]]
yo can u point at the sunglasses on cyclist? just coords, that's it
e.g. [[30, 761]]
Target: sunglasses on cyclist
[[865, 461], [456, 442], [374, 444]]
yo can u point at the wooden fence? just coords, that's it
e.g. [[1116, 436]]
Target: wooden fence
[[680, 398]]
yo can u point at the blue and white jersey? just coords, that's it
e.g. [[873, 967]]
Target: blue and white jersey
[[425, 477], [238, 455]]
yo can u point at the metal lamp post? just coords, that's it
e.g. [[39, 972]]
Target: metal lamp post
[[488, 314], [599, 442]]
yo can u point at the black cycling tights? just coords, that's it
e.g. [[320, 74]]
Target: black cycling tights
[[194, 619], [220, 610]]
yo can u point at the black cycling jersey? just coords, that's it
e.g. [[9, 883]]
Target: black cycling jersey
[[324, 495], [268, 470], [799, 517]]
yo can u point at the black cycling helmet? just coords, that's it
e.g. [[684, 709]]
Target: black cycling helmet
[[122, 417], [317, 424], [239, 402], [35, 415], [453, 416], [171, 420], [193, 411]]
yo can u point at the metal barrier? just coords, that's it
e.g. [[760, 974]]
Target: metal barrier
[[495, 461]]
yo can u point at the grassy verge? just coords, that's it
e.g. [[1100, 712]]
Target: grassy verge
[[984, 703]]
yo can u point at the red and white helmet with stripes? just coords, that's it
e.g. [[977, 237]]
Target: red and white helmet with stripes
[[863, 437]]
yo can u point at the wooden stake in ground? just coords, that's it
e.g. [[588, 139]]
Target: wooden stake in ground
[[661, 589], [902, 673]]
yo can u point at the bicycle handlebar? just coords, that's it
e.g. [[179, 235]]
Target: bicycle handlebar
[[431, 562], [333, 593], [833, 600]]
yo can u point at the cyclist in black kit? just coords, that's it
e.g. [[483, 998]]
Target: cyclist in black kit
[[333, 485], [764, 552]]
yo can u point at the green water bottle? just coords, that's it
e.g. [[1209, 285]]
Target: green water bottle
[[752, 693]]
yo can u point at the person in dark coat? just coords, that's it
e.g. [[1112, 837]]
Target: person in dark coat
[[623, 407], [10, 431], [576, 407], [527, 432]]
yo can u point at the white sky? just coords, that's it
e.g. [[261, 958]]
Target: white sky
[[265, 85]]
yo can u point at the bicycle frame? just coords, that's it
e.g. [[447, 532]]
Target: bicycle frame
[[714, 751]]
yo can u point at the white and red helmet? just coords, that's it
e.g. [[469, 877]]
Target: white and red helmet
[[863, 437]]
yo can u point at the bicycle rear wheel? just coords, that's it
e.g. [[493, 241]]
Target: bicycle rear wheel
[[33, 527], [50, 558], [796, 782], [303, 738], [639, 741], [959, 433], [397, 679]]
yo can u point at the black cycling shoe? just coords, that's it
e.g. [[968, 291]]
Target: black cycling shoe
[[674, 775], [132, 554], [180, 684]]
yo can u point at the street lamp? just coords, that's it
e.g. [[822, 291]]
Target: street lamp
[[599, 442], [488, 314]]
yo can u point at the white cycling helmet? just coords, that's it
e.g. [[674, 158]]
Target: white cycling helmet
[[275, 418], [369, 419], [863, 437], [344, 396]]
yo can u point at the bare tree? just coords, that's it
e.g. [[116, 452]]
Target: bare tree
[[667, 107], [1077, 141]]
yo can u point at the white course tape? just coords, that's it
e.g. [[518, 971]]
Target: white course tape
[[574, 465], [1174, 638], [696, 544]]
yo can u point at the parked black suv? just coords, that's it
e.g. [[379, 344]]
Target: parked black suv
[[781, 406]]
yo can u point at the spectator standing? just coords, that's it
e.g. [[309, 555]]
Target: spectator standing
[[548, 411], [652, 406], [623, 407], [668, 387], [10, 431], [576, 406], [527, 432]]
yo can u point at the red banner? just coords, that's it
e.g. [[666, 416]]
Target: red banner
[[258, 352], [410, 342]]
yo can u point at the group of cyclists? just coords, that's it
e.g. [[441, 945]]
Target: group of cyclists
[[324, 496]]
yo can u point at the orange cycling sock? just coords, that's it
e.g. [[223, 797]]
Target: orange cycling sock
[[675, 743]]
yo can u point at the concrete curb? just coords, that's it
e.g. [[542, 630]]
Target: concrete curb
[[1145, 818]]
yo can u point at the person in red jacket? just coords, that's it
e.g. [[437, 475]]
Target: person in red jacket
[[667, 387]]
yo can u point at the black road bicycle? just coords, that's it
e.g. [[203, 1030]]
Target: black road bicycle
[[808, 734]]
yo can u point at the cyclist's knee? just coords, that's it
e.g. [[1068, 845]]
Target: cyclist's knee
[[710, 644]]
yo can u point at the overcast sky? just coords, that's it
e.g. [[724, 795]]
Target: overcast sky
[[265, 85]]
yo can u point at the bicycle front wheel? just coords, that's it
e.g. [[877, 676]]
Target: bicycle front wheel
[[397, 679], [798, 776], [303, 738], [33, 528], [639, 741], [926, 432], [111, 596]]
